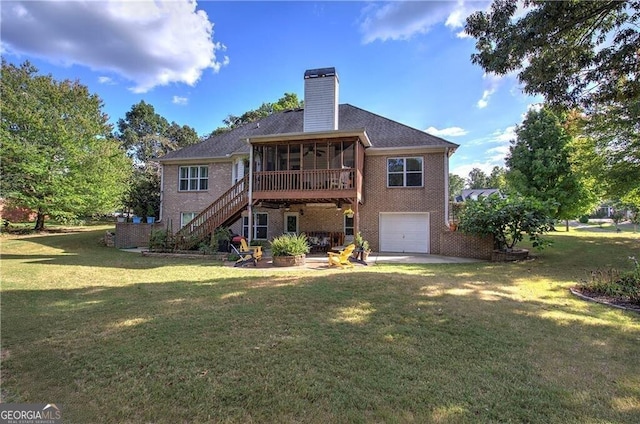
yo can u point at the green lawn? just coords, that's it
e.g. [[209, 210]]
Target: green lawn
[[114, 337]]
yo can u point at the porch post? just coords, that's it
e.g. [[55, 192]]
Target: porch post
[[250, 195], [356, 217]]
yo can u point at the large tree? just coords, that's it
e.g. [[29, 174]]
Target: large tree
[[579, 55], [286, 102], [477, 179], [146, 136], [58, 158], [498, 178], [456, 185], [540, 166], [575, 53]]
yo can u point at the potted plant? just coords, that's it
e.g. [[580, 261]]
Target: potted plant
[[348, 212], [289, 250], [138, 213], [362, 247], [151, 215]]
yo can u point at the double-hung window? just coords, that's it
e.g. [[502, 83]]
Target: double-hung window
[[193, 178], [260, 226], [186, 217], [405, 172]]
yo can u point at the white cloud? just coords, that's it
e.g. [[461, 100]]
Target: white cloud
[[505, 135], [106, 80], [536, 107], [177, 100], [150, 43], [491, 84], [463, 170], [484, 101], [447, 132], [497, 154], [403, 19], [485, 159]]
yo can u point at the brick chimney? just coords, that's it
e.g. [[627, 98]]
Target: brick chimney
[[320, 100]]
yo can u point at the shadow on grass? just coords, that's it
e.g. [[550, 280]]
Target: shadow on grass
[[415, 345], [86, 248]]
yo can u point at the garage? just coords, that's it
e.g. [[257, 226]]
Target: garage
[[404, 232]]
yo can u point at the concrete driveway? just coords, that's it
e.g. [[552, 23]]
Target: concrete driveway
[[416, 258]]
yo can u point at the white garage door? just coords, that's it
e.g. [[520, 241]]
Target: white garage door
[[404, 232]]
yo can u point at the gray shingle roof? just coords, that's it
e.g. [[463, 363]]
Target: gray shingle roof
[[383, 133]]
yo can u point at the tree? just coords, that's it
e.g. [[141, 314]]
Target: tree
[[579, 55], [498, 178], [540, 166], [58, 158], [287, 102], [507, 220], [147, 135], [477, 179], [456, 185]]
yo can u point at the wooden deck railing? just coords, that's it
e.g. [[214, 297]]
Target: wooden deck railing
[[307, 180], [225, 207]]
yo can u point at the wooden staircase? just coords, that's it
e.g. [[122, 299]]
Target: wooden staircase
[[225, 210]]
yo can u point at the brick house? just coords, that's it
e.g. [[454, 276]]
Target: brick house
[[299, 170]]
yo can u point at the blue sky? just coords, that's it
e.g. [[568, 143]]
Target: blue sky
[[196, 63]]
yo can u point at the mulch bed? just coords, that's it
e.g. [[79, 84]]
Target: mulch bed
[[606, 300]]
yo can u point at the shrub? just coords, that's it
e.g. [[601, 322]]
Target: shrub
[[159, 240], [613, 283], [507, 220], [584, 219], [289, 245]]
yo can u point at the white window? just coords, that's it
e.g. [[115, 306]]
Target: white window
[[260, 226], [404, 172], [186, 217], [193, 178]]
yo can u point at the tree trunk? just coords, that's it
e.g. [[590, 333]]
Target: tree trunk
[[39, 222], [567, 224]]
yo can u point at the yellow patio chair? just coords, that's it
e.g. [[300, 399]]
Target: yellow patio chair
[[255, 251], [341, 259]]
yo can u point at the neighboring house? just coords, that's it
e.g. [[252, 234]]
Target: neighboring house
[[476, 193], [12, 213], [297, 171]]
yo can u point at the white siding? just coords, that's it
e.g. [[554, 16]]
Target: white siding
[[321, 104]]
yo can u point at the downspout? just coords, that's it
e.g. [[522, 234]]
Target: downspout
[[446, 187], [250, 194], [161, 191], [356, 206]]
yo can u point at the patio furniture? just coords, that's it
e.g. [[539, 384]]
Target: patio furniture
[[246, 258], [341, 259], [319, 241], [255, 251]]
